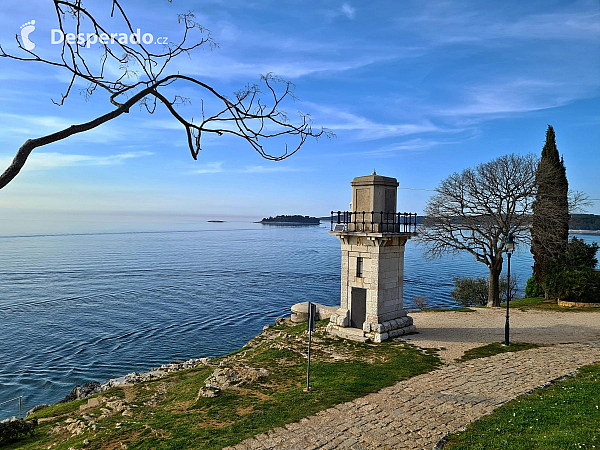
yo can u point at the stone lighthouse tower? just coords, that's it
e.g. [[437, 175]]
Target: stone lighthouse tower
[[373, 236]]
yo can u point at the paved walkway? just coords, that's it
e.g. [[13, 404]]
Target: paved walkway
[[417, 413], [456, 332]]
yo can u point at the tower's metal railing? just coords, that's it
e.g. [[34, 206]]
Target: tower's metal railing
[[371, 221]]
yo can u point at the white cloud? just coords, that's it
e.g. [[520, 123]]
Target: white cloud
[[412, 145], [365, 129], [16, 74], [163, 124], [348, 11], [215, 167], [218, 167], [270, 169], [29, 125], [53, 160], [288, 67], [454, 22], [516, 96]]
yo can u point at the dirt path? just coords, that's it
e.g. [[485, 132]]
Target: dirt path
[[457, 332]]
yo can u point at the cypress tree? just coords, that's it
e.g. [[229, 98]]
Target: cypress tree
[[550, 222]]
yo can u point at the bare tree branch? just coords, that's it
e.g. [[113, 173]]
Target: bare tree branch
[[579, 202], [253, 115]]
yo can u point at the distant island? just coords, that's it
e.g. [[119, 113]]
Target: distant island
[[291, 220], [216, 221]]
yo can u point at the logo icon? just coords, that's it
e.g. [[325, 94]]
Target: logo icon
[[26, 30]]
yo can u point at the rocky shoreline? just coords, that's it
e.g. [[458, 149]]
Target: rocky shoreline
[[226, 375], [94, 387]]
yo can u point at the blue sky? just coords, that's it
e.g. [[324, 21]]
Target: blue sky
[[416, 90]]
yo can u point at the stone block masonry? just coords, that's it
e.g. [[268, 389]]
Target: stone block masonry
[[372, 264], [382, 278]]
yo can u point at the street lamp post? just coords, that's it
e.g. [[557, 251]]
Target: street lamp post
[[509, 246]]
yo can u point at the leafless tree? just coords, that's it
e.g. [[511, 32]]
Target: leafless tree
[[420, 301], [252, 114], [476, 209], [579, 202]]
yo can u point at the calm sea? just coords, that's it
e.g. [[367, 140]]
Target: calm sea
[[88, 307]]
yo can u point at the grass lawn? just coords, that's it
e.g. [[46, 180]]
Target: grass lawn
[[168, 413], [563, 416], [545, 305], [493, 349]]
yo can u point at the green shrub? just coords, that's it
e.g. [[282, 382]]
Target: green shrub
[[580, 254], [575, 285], [571, 276], [16, 429], [532, 289], [474, 291], [470, 291]]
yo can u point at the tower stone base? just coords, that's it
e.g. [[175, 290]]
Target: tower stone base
[[374, 332]]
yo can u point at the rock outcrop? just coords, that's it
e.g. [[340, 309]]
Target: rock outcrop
[[94, 387], [229, 375]]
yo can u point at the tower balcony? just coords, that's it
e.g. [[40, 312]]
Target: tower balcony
[[373, 222]]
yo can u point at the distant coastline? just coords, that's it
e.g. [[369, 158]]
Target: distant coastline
[[291, 220], [584, 231]]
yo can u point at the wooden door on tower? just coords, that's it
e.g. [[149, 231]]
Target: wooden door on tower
[[358, 307]]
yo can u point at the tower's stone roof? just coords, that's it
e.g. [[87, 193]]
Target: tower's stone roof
[[369, 180]]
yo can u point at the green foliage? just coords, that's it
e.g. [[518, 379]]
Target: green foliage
[[560, 417], [474, 291], [16, 429], [470, 291], [578, 254], [571, 277], [493, 349], [292, 219], [574, 285], [550, 219], [584, 222], [532, 289]]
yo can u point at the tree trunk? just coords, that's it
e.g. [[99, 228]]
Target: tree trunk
[[494, 286]]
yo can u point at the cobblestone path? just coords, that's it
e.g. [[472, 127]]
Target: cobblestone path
[[417, 413]]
